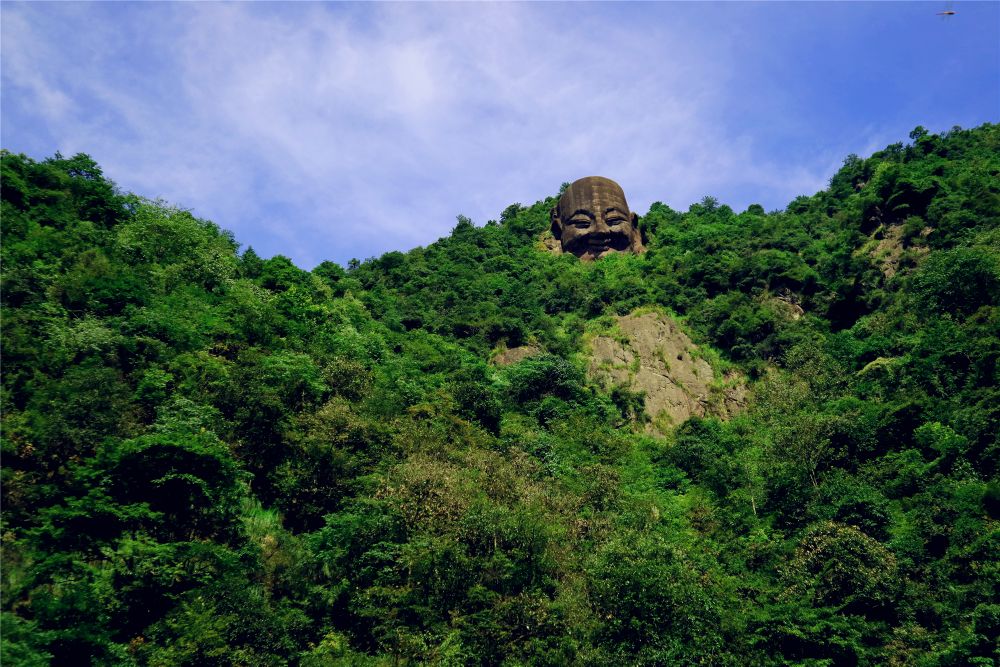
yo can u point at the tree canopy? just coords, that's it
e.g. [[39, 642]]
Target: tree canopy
[[212, 458]]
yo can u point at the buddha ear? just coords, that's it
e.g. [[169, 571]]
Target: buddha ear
[[556, 222]]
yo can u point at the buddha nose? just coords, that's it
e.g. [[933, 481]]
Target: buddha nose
[[601, 227]]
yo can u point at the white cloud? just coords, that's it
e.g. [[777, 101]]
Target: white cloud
[[329, 131], [28, 72]]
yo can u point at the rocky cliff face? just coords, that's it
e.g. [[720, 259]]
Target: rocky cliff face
[[650, 353]]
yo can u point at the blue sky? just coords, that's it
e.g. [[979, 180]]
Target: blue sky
[[331, 131]]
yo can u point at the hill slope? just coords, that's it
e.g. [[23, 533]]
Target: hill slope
[[210, 458]]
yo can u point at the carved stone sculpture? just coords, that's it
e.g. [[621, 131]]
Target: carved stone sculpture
[[592, 219]]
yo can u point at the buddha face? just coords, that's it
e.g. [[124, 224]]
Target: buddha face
[[592, 220]]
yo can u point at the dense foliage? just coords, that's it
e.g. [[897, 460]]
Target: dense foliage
[[210, 458]]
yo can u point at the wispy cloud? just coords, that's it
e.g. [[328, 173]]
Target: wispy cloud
[[330, 131]]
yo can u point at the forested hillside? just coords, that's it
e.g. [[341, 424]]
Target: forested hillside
[[214, 459]]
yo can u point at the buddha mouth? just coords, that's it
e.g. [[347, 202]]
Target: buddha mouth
[[597, 244]]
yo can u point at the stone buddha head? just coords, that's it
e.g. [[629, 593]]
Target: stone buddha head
[[592, 219]]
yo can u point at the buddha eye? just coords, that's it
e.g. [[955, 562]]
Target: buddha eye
[[581, 223], [614, 222]]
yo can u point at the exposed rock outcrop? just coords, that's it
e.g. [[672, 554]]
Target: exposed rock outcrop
[[649, 353], [512, 355], [887, 245]]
